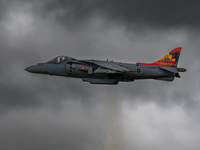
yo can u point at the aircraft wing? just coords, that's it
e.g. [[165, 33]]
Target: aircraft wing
[[107, 64], [171, 69]]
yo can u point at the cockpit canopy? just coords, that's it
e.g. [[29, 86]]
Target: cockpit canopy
[[60, 59]]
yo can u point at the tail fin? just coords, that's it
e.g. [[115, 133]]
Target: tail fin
[[170, 60]]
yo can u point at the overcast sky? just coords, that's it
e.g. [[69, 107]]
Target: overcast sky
[[46, 113]]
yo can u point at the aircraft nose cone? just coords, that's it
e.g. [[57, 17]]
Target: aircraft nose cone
[[33, 69]]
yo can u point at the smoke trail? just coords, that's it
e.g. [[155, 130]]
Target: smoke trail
[[112, 134]]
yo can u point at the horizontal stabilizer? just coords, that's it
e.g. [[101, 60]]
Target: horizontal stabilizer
[[170, 69]]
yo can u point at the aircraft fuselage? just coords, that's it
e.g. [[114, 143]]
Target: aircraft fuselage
[[109, 72], [76, 71]]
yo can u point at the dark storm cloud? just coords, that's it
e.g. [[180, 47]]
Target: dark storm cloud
[[46, 42], [3, 8], [153, 14], [43, 129], [20, 90], [145, 13], [45, 112]]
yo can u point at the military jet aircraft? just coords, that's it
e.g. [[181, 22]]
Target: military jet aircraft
[[110, 72]]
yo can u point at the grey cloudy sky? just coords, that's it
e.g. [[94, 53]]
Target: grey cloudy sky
[[44, 112]]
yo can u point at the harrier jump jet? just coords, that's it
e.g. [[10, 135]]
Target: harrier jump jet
[[110, 72]]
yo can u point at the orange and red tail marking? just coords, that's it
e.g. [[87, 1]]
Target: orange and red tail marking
[[170, 60]]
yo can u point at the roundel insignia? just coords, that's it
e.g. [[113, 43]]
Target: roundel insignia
[[83, 68]]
